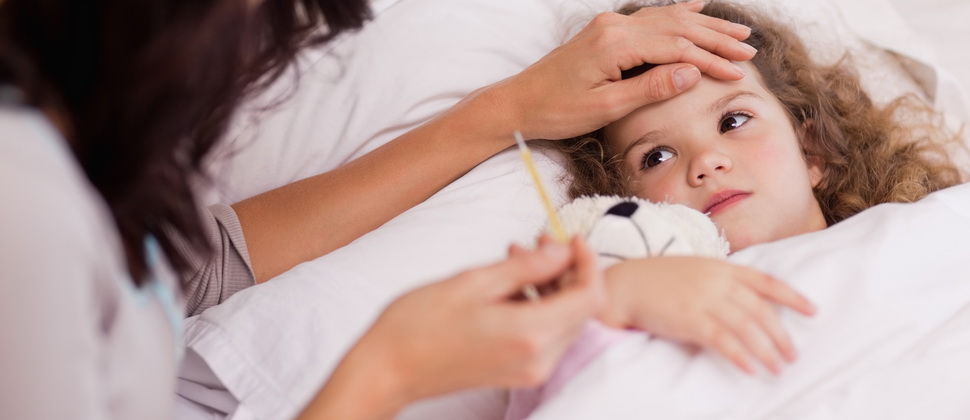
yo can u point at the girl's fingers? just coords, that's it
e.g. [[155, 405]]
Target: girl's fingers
[[723, 341], [767, 318], [749, 332], [778, 292]]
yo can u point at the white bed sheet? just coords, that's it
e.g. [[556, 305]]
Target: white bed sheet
[[271, 346]]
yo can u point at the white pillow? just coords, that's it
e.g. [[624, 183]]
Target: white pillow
[[416, 59], [272, 345]]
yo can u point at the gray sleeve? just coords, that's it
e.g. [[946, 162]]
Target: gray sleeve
[[227, 271]]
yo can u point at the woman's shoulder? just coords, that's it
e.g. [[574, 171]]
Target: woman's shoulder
[[63, 271], [48, 204], [59, 245], [33, 153]]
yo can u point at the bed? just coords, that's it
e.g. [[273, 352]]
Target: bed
[[893, 331]]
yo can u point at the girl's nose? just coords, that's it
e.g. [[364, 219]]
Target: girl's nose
[[707, 164]]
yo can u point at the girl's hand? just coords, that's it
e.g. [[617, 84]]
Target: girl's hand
[[577, 87], [467, 332], [707, 302]]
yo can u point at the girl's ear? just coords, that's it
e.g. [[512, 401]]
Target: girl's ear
[[809, 142], [815, 166]]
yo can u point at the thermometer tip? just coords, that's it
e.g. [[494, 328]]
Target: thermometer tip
[[518, 139]]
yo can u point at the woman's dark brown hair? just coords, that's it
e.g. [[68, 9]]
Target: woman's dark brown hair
[[142, 90], [868, 156]]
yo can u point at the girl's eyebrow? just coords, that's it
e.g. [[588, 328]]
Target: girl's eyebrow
[[723, 102], [649, 137], [716, 106]]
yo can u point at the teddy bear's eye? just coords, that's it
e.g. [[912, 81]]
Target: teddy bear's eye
[[655, 157]]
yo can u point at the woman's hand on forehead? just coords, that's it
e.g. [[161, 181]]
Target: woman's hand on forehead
[[678, 33], [578, 88]]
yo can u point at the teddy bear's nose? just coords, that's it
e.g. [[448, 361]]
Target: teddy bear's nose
[[624, 209]]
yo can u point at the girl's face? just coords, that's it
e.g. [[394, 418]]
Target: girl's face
[[727, 149]]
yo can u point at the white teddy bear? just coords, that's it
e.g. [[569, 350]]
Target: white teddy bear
[[621, 228]]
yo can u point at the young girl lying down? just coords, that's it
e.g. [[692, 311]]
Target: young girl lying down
[[791, 148]]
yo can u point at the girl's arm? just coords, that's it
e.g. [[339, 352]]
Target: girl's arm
[[706, 302], [574, 89]]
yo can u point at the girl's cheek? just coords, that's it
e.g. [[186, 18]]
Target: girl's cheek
[[769, 151], [660, 190], [771, 156]]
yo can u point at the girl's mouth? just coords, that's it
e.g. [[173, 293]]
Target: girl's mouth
[[722, 200]]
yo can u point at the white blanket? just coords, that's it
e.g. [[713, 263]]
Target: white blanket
[[891, 339]]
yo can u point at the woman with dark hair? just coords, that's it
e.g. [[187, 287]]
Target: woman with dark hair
[[107, 109]]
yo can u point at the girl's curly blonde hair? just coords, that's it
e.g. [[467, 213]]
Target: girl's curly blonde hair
[[868, 156]]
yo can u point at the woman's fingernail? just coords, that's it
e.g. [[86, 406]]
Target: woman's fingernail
[[686, 77], [744, 28], [543, 238], [749, 48], [739, 70], [553, 249]]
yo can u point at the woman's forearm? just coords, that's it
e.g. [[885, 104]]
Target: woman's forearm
[[312, 217], [361, 388]]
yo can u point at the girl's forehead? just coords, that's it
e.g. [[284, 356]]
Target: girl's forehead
[[706, 97], [710, 92]]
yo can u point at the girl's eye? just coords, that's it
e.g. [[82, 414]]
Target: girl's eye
[[655, 157], [730, 122]]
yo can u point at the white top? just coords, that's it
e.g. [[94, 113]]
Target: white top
[[80, 341]]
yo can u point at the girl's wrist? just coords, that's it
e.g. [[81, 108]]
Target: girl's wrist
[[618, 289], [614, 314]]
